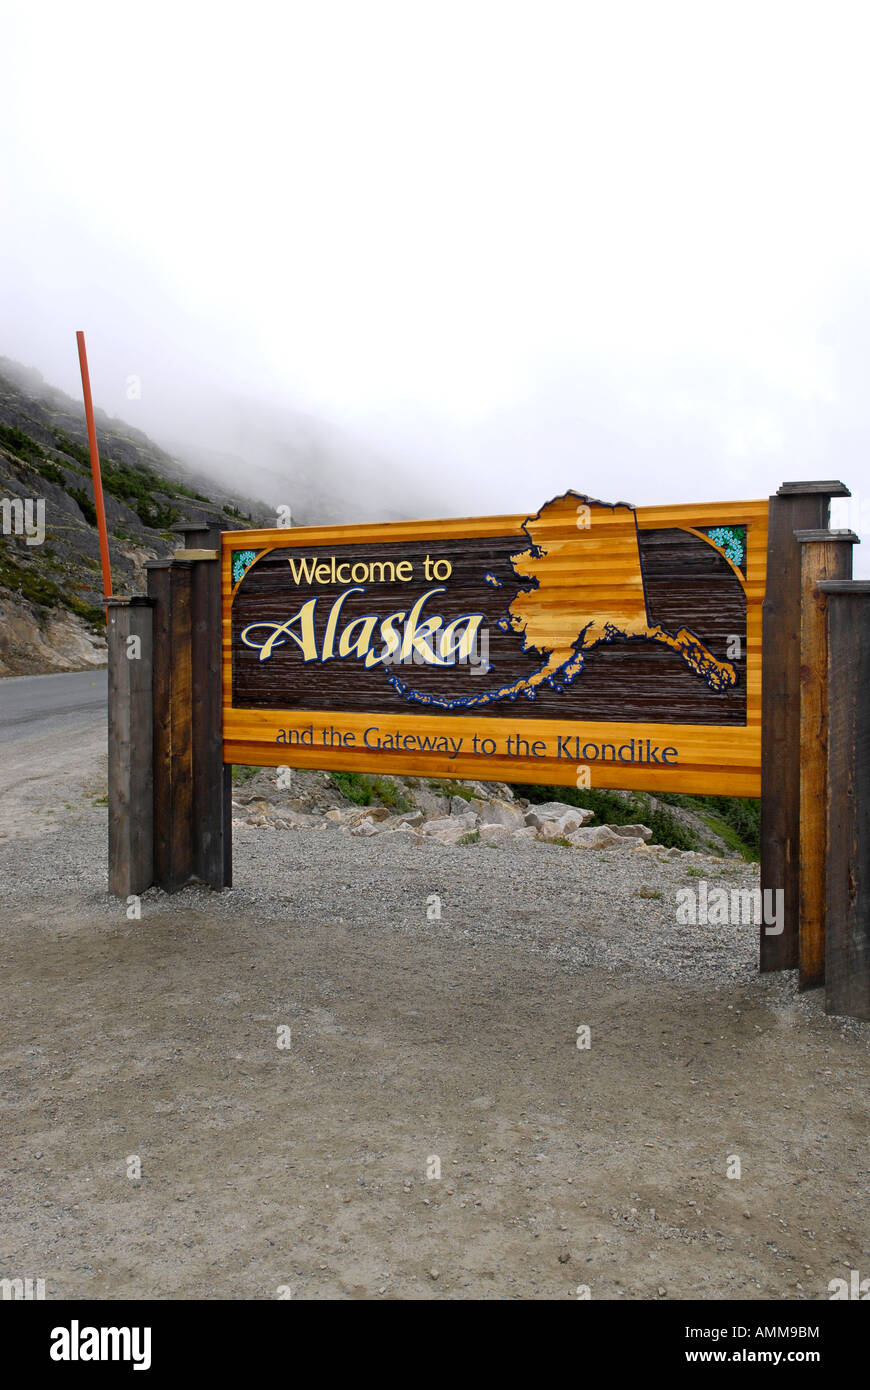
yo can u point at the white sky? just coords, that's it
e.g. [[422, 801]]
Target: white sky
[[504, 248]]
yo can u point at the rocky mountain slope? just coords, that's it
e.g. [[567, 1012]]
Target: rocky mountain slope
[[51, 618]]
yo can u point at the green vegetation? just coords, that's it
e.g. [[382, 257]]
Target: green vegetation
[[441, 786], [470, 839], [86, 506], [611, 809], [242, 772], [51, 472], [71, 448], [645, 892], [141, 489], [179, 489], [737, 819], [137, 488], [24, 578], [20, 443], [364, 789]]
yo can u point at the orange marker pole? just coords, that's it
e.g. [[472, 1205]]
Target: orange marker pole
[[95, 470]]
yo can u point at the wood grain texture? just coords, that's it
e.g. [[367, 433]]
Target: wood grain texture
[[169, 585], [847, 943], [131, 772], [780, 734], [208, 826], [824, 555], [628, 688]]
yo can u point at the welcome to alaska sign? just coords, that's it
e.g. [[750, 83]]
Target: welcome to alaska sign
[[588, 643]]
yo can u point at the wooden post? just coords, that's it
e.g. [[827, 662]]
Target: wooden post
[[131, 773], [169, 584], [824, 555], [212, 850], [796, 506], [847, 942]]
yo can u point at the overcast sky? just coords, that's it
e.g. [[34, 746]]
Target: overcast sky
[[488, 250]]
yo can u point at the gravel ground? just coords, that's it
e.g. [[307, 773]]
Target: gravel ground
[[412, 1038]]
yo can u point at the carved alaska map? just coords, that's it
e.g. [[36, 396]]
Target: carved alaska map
[[574, 602]]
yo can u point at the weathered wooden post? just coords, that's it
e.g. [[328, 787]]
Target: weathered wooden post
[[189, 777], [796, 506], [131, 771], [824, 555], [212, 843], [847, 939], [169, 585]]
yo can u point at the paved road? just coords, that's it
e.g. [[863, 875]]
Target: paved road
[[27, 700], [53, 739]]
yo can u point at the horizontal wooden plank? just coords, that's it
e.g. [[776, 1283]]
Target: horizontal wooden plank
[[688, 514], [693, 780]]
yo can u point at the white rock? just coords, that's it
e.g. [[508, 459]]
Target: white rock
[[635, 832], [365, 827], [403, 832], [569, 817], [450, 836], [501, 813], [446, 825], [495, 834], [593, 837]]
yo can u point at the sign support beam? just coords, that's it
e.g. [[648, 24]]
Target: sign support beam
[[796, 506], [847, 940], [131, 769], [824, 555]]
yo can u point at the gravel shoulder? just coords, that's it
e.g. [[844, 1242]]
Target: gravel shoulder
[[412, 1037]]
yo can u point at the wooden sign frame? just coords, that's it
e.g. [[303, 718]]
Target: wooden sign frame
[[715, 759]]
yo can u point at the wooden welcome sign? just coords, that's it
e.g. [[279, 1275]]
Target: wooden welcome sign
[[586, 644]]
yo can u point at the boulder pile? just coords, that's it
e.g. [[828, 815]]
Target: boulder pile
[[500, 821]]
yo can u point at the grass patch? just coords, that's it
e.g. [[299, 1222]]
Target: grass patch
[[65, 445], [242, 772], [441, 786], [34, 586], [20, 443], [645, 892], [365, 789], [736, 819], [470, 839]]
